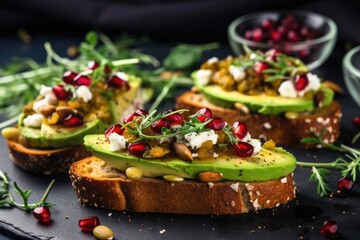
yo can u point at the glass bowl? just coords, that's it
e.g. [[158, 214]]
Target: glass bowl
[[313, 51], [351, 72]]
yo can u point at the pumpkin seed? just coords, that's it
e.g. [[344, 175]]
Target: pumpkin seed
[[11, 133], [134, 173], [210, 176], [103, 232], [173, 178], [183, 151]]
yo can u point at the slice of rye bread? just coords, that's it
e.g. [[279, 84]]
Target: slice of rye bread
[[47, 162], [97, 184], [285, 132]]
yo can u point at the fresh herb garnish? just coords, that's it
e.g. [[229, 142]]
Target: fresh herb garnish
[[7, 199], [348, 167]]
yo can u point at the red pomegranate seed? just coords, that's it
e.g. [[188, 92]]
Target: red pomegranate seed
[[243, 149], [275, 36], [356, 121], [93, 65], [268, 24], [216, 124], [61, 93], [159, 124], [88, 224], [257, 34], [174, 119], [73, 120], [282, 30], [83, 80], [130, 118], [344, 185], [239, 130], [138, 149], [292, 36], [69, 76], [204, 114], [271, 55], [116, 82], [260, 67], [305, 52], [300, 82], [42, 214], [116, 128], [141, 112], [329, 229], [288, 20], [248, 35]]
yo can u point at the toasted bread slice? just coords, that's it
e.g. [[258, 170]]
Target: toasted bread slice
[[97, 184], [324, 121]]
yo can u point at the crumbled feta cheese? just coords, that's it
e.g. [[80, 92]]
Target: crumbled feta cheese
[[117, 142], [195, 155], [122, 76], [164, 140], [195, 140], [45, 90], [212, 60], [247, 137], [38, 104], [203, 76], [256, 144], [287, 89], [215, 155], [238, 73], [314, 81], [33, 120], [84, 93]]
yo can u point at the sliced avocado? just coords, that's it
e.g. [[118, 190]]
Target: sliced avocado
[[57, 136], [263, 104], [263, 166]]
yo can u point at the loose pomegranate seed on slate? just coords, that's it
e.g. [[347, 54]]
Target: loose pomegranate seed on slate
[[329, 229], [69, 76], [216, 124], [61, 93], [259, 67], [73, 120], [300, 82], [239, 130], [88, 224], [205, 113], [141, 112], [356, 121], [138, 149], [116, 128], [83, 80], [93, 65], [116, 82], [243, 149], [159, 124], [42, 214], [344, 185]]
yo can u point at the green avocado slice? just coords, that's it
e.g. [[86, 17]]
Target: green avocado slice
[[264, 166], [263, 104]]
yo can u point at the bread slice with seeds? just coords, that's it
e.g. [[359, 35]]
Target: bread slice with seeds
[[324, 121], [97, 184]]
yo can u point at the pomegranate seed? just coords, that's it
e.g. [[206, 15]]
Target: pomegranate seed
[[61, 93], [42, 214], [275, 36], [329, 229], [260, 67], [216, 124], [267, 24], [69, 76], [239, 130], [292, 36], [138, 149], [304, 53], [73, 120], [271, 55], [248, 35], [93, 65], [174, 119], [243, 149], [282, 30], [159, 124], [344, 185], [356, 121], [204, 114], [116, 82], [257, 34], [288, 20], [130, 118], [300, 82], [83, 80], [116, 128], [295, 26], [141, 112], [88, 224]]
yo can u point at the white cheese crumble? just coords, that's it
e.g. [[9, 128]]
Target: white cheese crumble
[[45, 90], [287, 88], [195, 140], [33, 120], [203, 76], [122, 76], [117, 142], [215, 155], [194, 155], [212, 60], [238, 73], [256, 144], [84, 93]]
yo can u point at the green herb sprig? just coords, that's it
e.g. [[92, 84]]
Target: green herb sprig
[[7, 199], [348, 166]]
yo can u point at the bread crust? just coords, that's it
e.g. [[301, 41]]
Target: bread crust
[[99, 185], [45, 162], [285, 132]]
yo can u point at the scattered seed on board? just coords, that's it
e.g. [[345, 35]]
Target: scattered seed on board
[[103, 232]]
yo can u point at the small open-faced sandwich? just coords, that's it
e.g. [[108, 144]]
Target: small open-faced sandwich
[[273, 93], [51, 128], [164, 163]]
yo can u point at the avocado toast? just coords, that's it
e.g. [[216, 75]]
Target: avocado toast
[[50, 129], [165, 163], [273, 93]]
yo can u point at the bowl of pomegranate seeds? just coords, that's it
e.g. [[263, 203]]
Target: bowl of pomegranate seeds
[[351, 72], [307, 36]]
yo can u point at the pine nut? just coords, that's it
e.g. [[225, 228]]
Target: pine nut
[[103, 232], [173, 178], [11, 133], [134, 173]]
